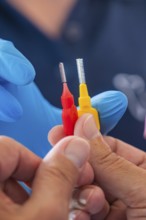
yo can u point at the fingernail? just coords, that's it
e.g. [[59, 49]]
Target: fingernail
[[90, 128], [77, 151], [88, 198], [77, 214], [83, 201], [72, 215], [84, 196]]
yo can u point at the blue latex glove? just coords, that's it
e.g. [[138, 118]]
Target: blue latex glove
[[26, 116], [111, 106]]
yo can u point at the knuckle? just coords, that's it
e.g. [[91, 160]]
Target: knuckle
[[111, 161], [101, 155]]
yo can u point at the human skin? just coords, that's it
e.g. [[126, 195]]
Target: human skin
[[52, 180], [48, 16], [119, 170]]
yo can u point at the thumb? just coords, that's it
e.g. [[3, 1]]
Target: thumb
[[117, 176], [56, 178]]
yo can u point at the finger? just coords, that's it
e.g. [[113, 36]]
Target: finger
[[103, 213], [111, 106], [86, 175], [117, 211], [118, 176], [89, 199], [127, 151], [10, 109], [79, 215], [16, 161], [57, 177], [13, 190], [56, 134], [14, 67]]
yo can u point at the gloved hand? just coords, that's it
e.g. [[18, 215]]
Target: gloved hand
[[24, 113]]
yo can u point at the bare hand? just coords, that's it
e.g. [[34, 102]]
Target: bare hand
[[88, 199], [119, 170], [53, 179]]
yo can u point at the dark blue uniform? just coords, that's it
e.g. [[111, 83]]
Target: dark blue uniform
[[111, 37]]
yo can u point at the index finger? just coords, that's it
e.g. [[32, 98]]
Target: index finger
[[16, 161], [127, 151]]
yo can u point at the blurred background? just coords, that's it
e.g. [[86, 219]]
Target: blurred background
[[110, 35]]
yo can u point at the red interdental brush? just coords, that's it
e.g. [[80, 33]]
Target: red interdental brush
[[69, 110]]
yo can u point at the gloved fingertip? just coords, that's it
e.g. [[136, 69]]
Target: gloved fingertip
[[122, 98], [111, 106]]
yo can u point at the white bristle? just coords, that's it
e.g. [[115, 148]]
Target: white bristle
[[81, 72], [62, 72]]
